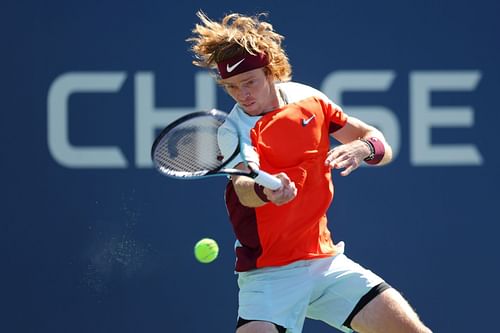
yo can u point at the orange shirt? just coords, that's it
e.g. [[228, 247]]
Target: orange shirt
[[293, 139]]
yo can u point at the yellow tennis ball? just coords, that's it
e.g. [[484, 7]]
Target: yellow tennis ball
[[206, 250]]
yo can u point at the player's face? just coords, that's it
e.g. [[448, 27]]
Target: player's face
[[254, 91]]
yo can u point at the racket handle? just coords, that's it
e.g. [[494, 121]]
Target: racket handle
[[267, 180]]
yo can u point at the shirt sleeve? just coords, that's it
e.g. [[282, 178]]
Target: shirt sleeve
[[336, 116], [229, 141]]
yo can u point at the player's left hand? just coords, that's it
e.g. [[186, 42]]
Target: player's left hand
[[348, 156]]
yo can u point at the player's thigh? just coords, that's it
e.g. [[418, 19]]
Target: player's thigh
[[257, 327], [388, 312]]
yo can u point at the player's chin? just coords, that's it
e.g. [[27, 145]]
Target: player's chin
[[251, 108]]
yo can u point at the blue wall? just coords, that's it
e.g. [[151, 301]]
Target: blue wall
[[104, 243]]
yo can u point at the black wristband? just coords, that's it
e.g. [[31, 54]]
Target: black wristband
[[259, 190]]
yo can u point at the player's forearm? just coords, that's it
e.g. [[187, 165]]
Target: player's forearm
[[245, 190]]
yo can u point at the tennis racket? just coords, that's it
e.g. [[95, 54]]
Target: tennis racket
[[202, 144]]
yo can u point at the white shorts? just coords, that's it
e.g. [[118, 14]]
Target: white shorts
[[324, 289]]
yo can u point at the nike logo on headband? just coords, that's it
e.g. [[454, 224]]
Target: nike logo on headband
[[233, 67]]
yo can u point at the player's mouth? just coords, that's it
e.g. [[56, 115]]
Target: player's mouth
[[247, 104]]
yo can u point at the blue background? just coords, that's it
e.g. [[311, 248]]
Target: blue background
[[110, 250]]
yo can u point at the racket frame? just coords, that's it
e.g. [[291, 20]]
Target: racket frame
[[221, 170]]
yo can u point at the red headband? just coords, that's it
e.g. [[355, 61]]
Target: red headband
[[241, 63]]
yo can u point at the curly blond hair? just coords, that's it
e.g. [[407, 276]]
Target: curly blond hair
[[213, 42]]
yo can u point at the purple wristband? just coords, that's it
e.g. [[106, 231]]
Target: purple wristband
[[259, 190], [378, 150]]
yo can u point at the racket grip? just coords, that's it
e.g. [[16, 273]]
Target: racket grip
[[267, 180]]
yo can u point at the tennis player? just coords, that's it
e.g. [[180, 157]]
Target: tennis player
[[288, 266]]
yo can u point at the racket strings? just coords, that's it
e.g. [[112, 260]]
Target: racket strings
[[191, 148]]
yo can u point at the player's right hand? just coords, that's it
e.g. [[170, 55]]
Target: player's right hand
[[286, 193]]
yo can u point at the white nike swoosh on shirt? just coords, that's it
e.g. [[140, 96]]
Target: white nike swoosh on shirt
[[308, 120], [231, 68]]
